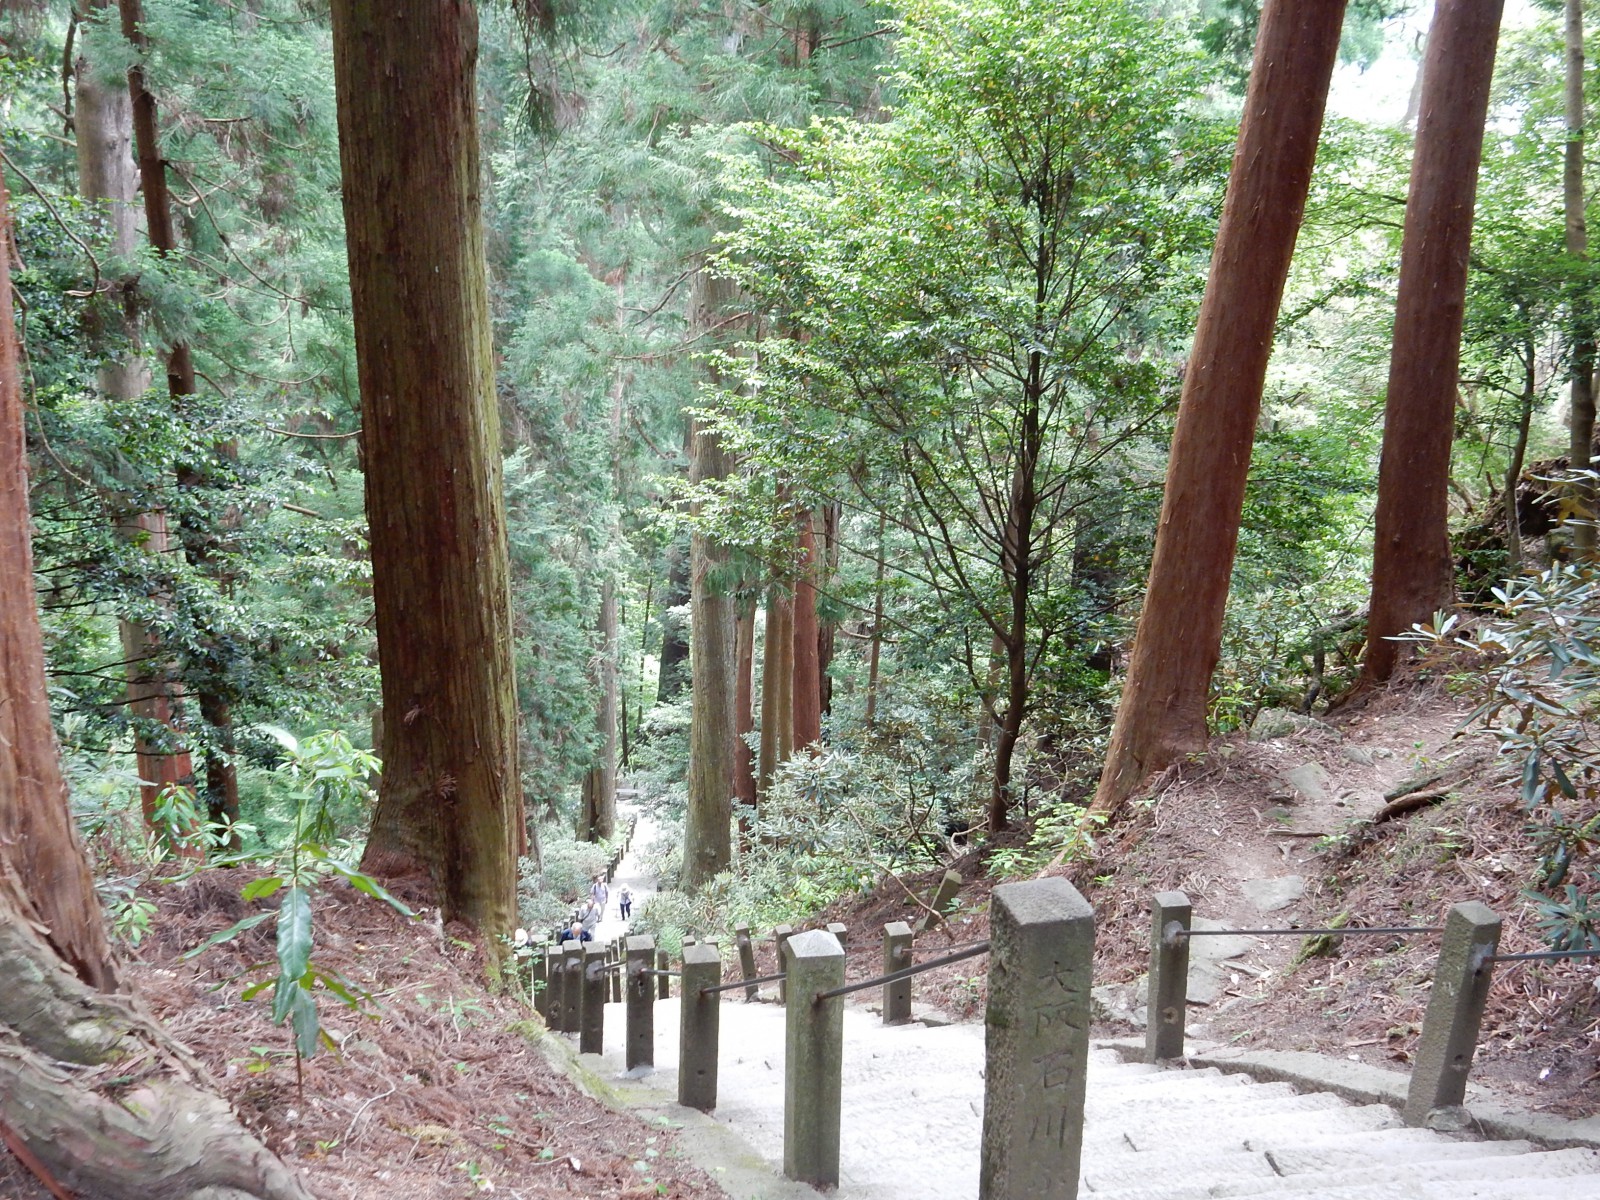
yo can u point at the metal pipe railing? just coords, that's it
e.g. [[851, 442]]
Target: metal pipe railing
[[904, 973]]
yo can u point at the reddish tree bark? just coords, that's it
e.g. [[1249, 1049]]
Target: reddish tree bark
[[1413, 573], [1581, 333], [1162, 714], [807, 701], [777, 686], [450, 810]]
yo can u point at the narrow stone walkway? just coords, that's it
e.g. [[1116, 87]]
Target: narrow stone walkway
[[913, 1104], [631, 872]]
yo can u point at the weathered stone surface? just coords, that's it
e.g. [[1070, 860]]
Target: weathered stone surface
[[812, 1069], [641, 995], [1280, 722], [896, 957], [1278, 892], [592, 1007], [1455, 1011], [943, 900], [1170, 918], [1312, 781], [699, 1027], [1037, 1041]]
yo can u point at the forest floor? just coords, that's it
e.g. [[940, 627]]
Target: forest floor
[[1276, 830], [436, 1087]]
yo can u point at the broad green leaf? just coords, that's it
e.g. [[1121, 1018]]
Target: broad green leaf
[[367, 884], [260, 889], [294, 933]]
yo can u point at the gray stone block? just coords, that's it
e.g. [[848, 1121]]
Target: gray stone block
[[699, 1026], [897, 956], [1455, 1012], [1042, 933], [813, 1059], [641, 1037]]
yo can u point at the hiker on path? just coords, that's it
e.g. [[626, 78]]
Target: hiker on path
[[599, 894], [625, 902]]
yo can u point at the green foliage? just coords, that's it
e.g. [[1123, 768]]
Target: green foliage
[[1062, 832], [1540, 680], [329, 778], [548, 893]]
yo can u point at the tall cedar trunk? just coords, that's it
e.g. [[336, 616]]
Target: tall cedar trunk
[[707, 840], [599, 819], [1412, 569], [109, 183], [450, 809], [160, 1136], [673, 671], [222, 785], [1581, 334], [744, 718], [875, 649], [777, 687], [1162, 714], [807, 681]]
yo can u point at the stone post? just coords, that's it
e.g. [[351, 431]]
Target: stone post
[[662, 980], [542, 980], [943, 897], [1037, 1044], [896, 957], [747, 958], [615, 959], [698, 1018], [571, 985], [641, 1047], [813, 1058], [1169, 976], [839, 930], [1455, 1011], [780, 935], [596, 987]]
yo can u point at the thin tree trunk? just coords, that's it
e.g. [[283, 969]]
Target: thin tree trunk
[[673, 663], [777, 687], [744, 718], [828, 630], [1530, 392], [807, 700], [450, 811], [708, 841], [1162, 714], [109, 183], [600, 784], [222, 787], [1413, 573], [875, 648], [1581, 334]]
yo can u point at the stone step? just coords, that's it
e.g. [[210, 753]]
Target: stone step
[[1220, 1131], [1289, 1160], [1214, 1179], [1109, 1103], [1102, 1080]]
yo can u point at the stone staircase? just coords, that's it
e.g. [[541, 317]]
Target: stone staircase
[[1154, 1134], [912, 1114]]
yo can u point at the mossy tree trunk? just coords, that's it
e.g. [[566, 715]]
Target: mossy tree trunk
[[450, 812]]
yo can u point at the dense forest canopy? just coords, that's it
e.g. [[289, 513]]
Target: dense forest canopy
[[825, 357]]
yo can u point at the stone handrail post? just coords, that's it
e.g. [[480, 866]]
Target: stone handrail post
[[780, 935], [571, 994], [699, 1018], [1455, 1012], [897, 954], [943, 897], [541, 981], [641, 1037], [1170, 916], [596, 987], [1037, 1051], [813, 1058], [747, 958], [838, 929], [661, 965]]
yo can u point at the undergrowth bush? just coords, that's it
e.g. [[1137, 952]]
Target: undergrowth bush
[[547, 896], [1540, 681]]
